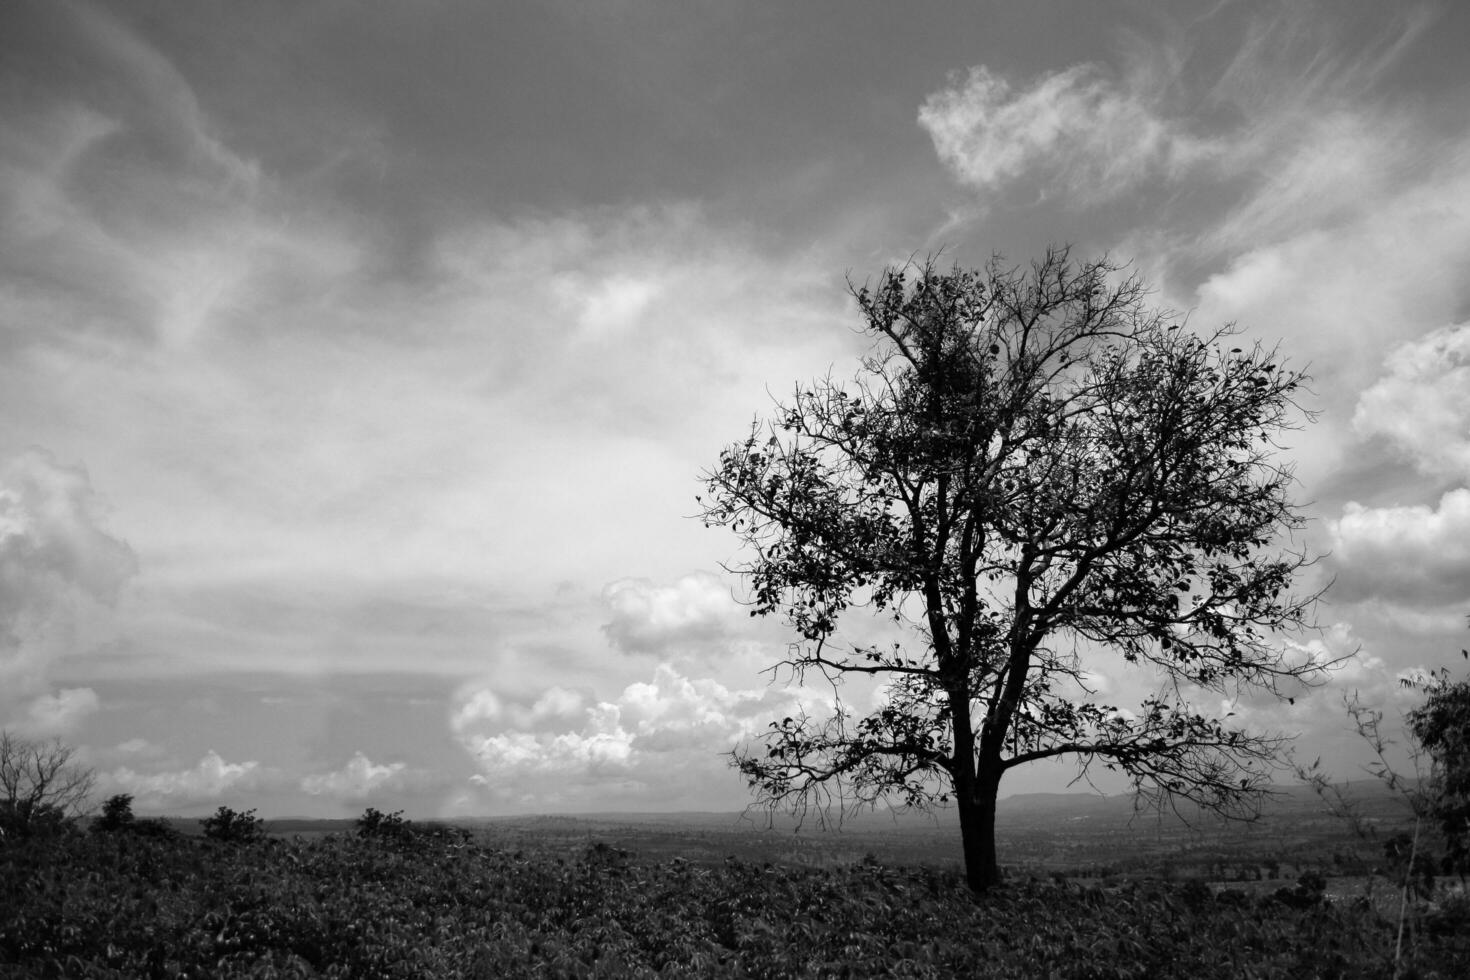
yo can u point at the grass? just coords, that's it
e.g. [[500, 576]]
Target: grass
[[505, 902]]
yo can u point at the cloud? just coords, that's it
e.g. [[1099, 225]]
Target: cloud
[[657, 742], [1422, 404], [1416, 556], [127, 214], [685, 615], [1291, 134], [1094, 136], [55, 558], [137, 747], [611, 305], [59, 713], [147, 87], [359, 779], [477, 704], [211, 781], [1386, 269]]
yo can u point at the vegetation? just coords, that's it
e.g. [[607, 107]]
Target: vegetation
[[376, 823], [117, 818], [122, 905], [1035, 475], [230, 827], [1441, 727], [41, 788]]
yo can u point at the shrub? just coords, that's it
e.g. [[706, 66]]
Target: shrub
[[23, 819], [117, 814], [234, 828], [117, 818], [376, 823]]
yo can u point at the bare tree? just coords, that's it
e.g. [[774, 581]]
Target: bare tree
[[1030, 471], [40, 784]]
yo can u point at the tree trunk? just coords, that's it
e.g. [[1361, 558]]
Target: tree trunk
[[977, 831], [975, 789]]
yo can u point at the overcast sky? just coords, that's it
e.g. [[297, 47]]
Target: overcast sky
[[358, 361]]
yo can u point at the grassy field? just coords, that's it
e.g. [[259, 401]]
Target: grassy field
[[1093, 891], [119, 905]]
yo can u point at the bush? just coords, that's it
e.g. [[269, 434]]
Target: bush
[[117, 818], [117, 814], [23, 819], [376, 823], [233, 828]]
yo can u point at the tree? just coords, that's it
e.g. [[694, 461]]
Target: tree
[[387, 826], [233, 827], [117, 818], [1441, 727], [1030, 471], [41, 787], [117, 815]]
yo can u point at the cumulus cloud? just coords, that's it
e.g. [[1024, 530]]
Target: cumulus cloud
[[54, 555], [359, 779], [212, 780], [1415, 555], [477, 705], [1095, 136], [657, 737], [649, 618], [1422, 403]]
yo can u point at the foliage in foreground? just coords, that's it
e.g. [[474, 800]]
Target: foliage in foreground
[[122, 905], [1441, 726]]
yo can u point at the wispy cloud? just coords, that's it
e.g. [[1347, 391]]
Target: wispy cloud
[[1291, 130], [1076, 130]]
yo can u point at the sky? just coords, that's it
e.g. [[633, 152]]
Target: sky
[[358, 362]]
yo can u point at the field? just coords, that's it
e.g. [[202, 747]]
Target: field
[[713, 895], [1075, 836]]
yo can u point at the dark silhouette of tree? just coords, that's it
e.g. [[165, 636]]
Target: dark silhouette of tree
[[117, 814], [41, 788], [233, 827], [1031, 469], [1441, 727], [117, 818], [389, 826]]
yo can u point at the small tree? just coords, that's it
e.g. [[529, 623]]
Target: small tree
[[1030, 469], [376, 823], [232, 827], [1440, 729], [117, 818], [41, 788], [117, 814], [1441, 726]]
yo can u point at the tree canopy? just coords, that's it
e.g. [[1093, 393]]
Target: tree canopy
[[1030, 468], [41, 786], [1441, 727]]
